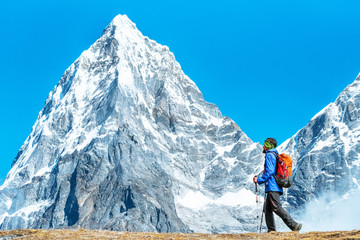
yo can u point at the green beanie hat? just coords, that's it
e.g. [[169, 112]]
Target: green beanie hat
[[269, 144]]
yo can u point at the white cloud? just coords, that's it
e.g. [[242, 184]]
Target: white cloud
[[332, 212]]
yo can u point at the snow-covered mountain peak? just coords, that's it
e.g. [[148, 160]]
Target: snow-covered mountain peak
[[124, 141], [123, 21], [124, 31], [122, 34]]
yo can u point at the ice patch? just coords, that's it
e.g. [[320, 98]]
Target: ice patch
[[43, 171]]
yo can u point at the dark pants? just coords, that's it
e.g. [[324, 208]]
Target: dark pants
[[273, 204]]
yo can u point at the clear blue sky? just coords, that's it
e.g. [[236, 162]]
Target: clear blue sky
[[253, 58]]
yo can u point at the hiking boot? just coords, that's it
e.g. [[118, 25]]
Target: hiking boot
[[297, 227]]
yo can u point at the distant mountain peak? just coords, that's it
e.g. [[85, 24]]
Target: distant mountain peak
[[326, 150]]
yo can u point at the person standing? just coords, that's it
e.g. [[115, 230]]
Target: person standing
[[273, 190]]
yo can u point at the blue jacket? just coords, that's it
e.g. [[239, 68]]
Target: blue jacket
[[269, 171]]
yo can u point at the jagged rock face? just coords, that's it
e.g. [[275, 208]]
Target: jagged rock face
[[326, 151], [126, 141]]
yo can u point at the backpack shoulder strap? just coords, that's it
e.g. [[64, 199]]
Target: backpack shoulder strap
[[276, 161], [275, 154]]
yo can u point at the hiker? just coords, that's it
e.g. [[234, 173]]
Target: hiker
[[273, 190]]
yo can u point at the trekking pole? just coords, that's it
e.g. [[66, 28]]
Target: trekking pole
[[262, 212], [257, 207]]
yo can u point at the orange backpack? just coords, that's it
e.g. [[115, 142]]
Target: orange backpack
[[283, 171]]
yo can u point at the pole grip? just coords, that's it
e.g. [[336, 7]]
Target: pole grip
[[256, 187], [256, 191]]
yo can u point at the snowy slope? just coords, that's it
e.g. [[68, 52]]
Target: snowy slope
[[126, 141]]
